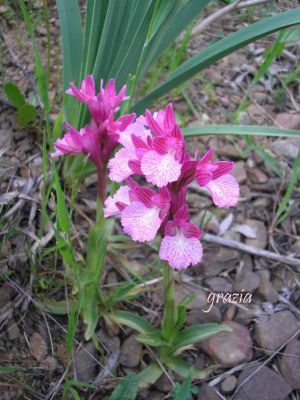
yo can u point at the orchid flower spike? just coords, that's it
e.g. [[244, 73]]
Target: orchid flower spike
[[153, 148]]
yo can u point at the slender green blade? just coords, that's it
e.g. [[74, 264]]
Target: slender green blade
[[94, 22], [71, 31], [184, 393], [62, 211], [220, 49], [181, 367], [131, 51], [239, 130], [72, 42], [117, 16], [166, 29], [133, 321], [127, 389], [196, 333], [149, 375], [291, 186]]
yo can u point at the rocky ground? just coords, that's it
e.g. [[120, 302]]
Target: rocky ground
[[260, 358]]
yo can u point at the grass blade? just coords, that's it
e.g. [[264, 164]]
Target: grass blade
[[239, 130], [220, 49]]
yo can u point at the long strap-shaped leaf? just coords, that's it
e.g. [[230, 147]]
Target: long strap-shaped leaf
[[130, 52], [170, 23], [239, 130], [71, 31], [116, 23], [94, 23], [220, 49]]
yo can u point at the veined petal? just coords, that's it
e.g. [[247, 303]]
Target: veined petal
[[140, 222], [160, 169], [121, 195], [71, 144], [224, 191], [118, 166], [180, 252]]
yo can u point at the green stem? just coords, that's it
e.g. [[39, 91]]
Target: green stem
[[170, 311]]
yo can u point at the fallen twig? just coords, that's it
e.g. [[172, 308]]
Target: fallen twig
[[238, 4], [251, 250]]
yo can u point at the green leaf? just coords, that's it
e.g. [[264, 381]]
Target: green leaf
[[149, 375], [127, 389], [57, 127], [184, 392], [196, 333], [168, 26], [26, 115], [58, 307], [62, 211], [133, 321], [90, 309], [71, 32], [42, 79], [239, 130], [219, 50], [96, 247], [181, 367], [288, 194], [153, 339], [14, 95]]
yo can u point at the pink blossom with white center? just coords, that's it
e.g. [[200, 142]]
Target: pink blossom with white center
[[155, 153], [215, 176], [162, 165], [86, 91], [153, 148], [181, 246], [118, 166], [110, 204], [142, 218]]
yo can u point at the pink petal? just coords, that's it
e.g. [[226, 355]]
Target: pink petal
[[224, 190], [122, 195], [160, 169], [140, 222], [180, 252], [118, 166]]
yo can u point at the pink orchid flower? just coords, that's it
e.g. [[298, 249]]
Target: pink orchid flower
[[142, 218], [154, 149], [99, 139], [86, 91], [85, 141], [180, 245], [215, 176]]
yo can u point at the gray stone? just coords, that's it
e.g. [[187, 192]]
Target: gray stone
[[131, 352], [229, 384], [207, 393], [229, 348], [263, 385], [38, 346], [273, 332], [85, 364], [290, 364], [286, 147]]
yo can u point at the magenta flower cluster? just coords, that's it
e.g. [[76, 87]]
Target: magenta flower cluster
[[152, 147]]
